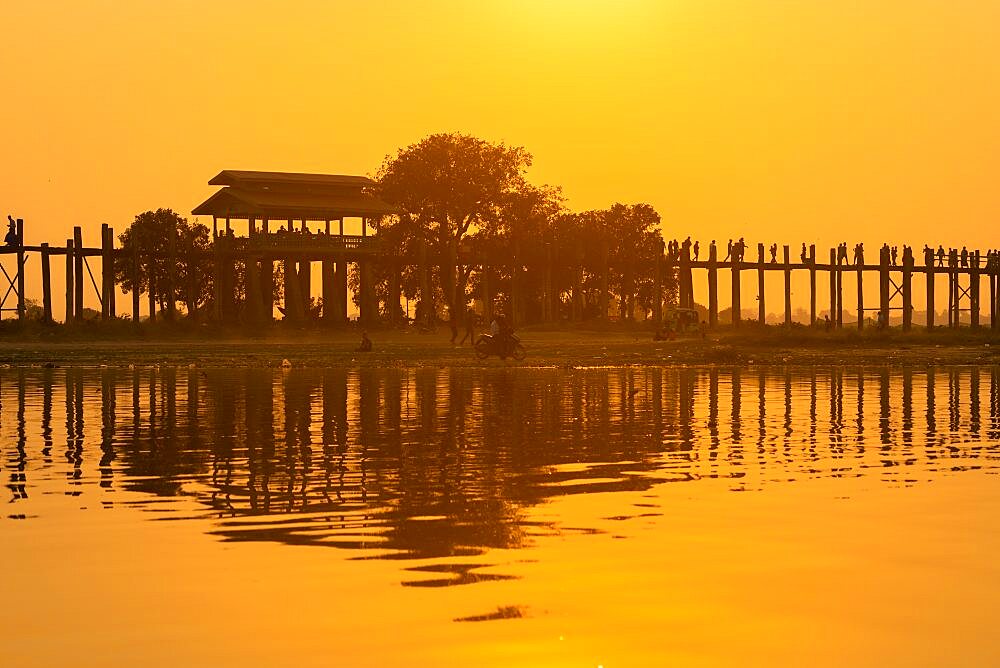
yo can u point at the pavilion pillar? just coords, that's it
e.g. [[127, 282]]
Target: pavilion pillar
[[255, 298], [267, 285], [366, 307], [327, 282], [21, 306], [340, 291], [305, 283], [294, 305]]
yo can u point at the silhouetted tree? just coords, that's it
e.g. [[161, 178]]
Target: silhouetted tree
[[446, 187], [150, 232]]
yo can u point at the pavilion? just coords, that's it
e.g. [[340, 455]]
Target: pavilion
[[288, 199]]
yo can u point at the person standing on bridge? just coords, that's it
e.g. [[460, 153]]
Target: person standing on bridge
[[940, 256], [729, 251], [803, 256], [695, 251], [965, 257], [894, 254]]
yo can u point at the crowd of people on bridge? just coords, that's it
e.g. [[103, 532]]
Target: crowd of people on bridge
[[953, 257]]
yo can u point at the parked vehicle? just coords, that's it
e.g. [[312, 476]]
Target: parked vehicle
[[488, 345]]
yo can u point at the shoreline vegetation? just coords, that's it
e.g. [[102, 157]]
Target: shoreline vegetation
[[118, 344]]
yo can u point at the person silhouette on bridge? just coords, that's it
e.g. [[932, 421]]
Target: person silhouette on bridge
[[965, 257], [940, 256], [803, 256], [729, 251], [894, 254], [11, 238], [774, 253], [695, 250]]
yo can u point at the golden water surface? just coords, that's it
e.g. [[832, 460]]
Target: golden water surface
[[546, 517]]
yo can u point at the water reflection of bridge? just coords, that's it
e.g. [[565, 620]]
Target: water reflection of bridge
[[430, 462]]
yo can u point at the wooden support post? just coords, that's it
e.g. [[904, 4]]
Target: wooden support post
[[106, 272], [974, 290], [929, 266], [840, 295], [327, 282], [736, 308], [861, 290], [907, 288], [135, 285], [21, 308], [788, 286], [761, 307], [70, 288], [951, 296], [812, 285], [833, 286], [713, 286], [683, 276], [46, 286], [883, 285], [110, 294], [994, 276], [78, 273]]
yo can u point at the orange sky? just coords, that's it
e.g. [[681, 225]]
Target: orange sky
[[786, 121]]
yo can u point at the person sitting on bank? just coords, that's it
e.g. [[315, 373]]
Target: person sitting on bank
[[366, 343]]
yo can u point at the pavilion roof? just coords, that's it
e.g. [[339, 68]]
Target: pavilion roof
[[295, 196]]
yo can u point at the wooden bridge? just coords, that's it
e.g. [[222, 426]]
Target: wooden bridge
[[266, 198]]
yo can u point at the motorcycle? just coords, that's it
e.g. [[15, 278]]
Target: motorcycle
[[488, 345]]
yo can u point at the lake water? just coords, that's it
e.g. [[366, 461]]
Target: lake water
[[496, 517]]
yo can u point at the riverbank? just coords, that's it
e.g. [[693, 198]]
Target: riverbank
[[771, 346]]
